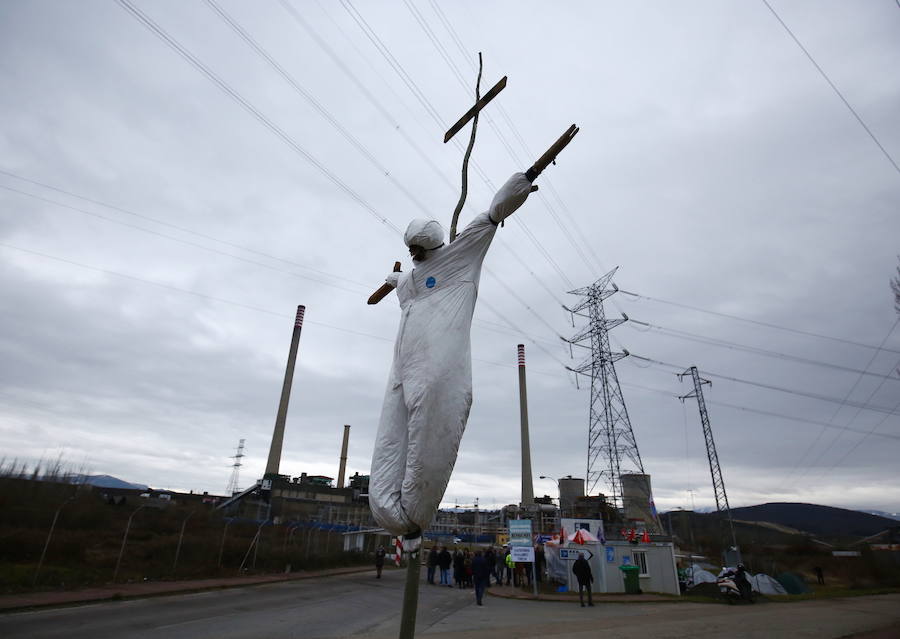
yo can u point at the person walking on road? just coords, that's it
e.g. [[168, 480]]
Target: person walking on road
[[582, 571], [379, 561], [481, 575]]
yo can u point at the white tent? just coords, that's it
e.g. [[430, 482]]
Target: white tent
[[697, 575], [766, 585]]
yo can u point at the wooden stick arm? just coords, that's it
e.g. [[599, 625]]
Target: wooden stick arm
[[386, 288], [552, 152]]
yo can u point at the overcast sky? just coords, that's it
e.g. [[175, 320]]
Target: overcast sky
[[161, 219]]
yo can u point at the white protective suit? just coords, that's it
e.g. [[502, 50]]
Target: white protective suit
[[429, 390]]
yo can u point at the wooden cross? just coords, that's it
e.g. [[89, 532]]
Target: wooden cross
[[472, 114]]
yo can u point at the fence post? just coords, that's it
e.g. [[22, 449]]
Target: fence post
[[47, 543], [124, 539], [180, 537], [252, 545], [222, 545]]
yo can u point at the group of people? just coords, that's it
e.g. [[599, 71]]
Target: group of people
[[477, 569]]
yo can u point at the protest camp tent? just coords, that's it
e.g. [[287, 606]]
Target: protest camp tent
[[766, 585], [582, 536], [793, 583], [699, 576]]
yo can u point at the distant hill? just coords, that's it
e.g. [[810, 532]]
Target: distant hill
[[881, 513], [105, 481], [822, 521]]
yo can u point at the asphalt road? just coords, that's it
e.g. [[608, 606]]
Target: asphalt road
[[361, 606]]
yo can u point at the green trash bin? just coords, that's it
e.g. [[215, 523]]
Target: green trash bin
[[632, 582]]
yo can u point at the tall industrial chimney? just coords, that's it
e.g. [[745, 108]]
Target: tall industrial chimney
[[343, 466], [274, 461], [527, 486]]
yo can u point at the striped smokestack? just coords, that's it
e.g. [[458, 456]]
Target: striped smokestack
[[274, 461], [527, 486]]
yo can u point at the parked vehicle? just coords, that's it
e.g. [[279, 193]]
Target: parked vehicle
[[729, 586]]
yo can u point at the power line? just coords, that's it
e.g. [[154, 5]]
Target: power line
[[833, 87], [395, 126], [851, 420], [760, 323], [758, 351], [837, 410], [423, 23], [865, 436], [767, 413], [411, 84], [171, 287], [177, 227], [159, 32], [361, 289], [242, 305], [188, 56], [781, 389], [379, 107], [306, 95], [545, 180]]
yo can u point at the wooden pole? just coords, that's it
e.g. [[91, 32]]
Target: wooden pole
[[465, 166], [551, 153], [410, 596]]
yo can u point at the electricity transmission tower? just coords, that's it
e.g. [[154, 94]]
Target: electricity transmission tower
[[233, 486], [714, 468], [610, 437]]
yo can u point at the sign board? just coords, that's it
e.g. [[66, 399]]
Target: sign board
[[572, 554], [520, 532], [626, 560], [521, 554], [610, 555]]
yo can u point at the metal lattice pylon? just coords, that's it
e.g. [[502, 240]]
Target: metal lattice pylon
[[233, 486], [715, 469], [612, 448]]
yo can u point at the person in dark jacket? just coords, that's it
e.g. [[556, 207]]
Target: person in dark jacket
[[445, 561], [743, 584], [582, 571], [481, 575], [491, 559], [459, 569], [432, 563], [379, 561]]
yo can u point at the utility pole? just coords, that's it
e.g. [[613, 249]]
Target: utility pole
[[611, 441], [718, 481]]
